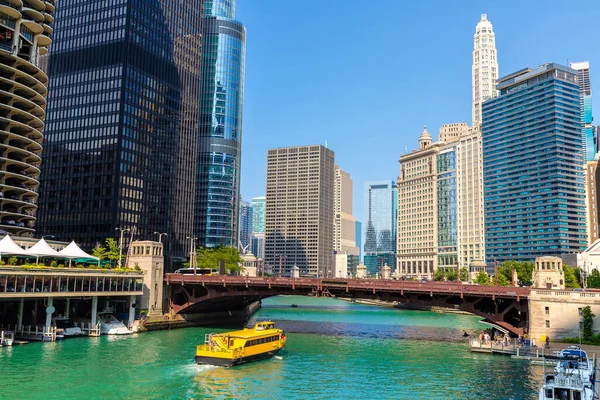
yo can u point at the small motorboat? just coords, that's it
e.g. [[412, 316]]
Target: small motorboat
[[294, 305], [7, 338], [109, 325], [66, 328]]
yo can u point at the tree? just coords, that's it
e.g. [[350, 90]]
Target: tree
[[503, 280], [482, 279], [451, 275], [570, 279], [587, 320], [593, 281], [439, 275], [113, 252], [210, 257], [99, 251], [524, 271], [464, 274]]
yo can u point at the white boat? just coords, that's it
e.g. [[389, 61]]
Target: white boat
[[7, 338], [573, 361], [67, 328], [573, 377], [109, 325]]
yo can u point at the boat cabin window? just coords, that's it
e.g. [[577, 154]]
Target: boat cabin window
[[267, 339], [265, 325], [562, 394], [231, 341]]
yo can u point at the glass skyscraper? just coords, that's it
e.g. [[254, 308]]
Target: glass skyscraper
[[447, 220], [381, 207], [220, 132], [122, 126], [585, 86], [245, 225], [533, 158], [258, 214]]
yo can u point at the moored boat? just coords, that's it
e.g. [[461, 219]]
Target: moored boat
[[573, 360], [109, 325], [573, 377], [240, 347]]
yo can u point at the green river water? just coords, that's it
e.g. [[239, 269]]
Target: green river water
[[335, 350]]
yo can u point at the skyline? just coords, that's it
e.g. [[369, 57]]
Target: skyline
[[344, 114]]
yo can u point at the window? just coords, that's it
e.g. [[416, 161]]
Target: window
[[547, 323], [547, 309], [580, 311]]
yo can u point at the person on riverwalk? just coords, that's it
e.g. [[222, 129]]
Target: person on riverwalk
[[547, 342]]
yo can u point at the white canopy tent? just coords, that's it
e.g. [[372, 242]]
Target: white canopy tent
[[43, 249], [8, 246], [73, 251]]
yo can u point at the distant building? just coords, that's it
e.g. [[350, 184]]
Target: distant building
[[485, 68], [345, 265], [376, 261], [453, 132], [245, 225], [585, 87], [381, 198], [358, 233], [344, 225], [592, 177], [258, 214], [534, 190], [299, 209], [258, 245]]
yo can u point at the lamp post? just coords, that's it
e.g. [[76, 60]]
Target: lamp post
[[160, 235], [121, 244], [193, 263]]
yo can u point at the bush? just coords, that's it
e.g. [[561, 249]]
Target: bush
[[12, 261], [61, 265], [79, 266], [53, 264]]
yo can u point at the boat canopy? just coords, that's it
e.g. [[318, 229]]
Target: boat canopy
[[8, 246]]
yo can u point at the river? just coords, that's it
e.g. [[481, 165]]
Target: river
[[335, 350]]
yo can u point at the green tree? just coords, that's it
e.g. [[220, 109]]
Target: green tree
[[464, 274], [482, 279], [451, 275], [587, 320], [593, 281], [524, 271], [210, 257], [570, 279], [113, 252], [503, 280], [439, 275], [99, 251]]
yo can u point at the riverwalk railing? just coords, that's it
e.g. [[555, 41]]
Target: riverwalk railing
[[50, 334]]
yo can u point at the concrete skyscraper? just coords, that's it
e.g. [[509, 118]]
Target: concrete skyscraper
[[122, 126], [344, 226], [485, 68], [299, 212], [585, 86], [25, 36], [220, 132], [533, 170]]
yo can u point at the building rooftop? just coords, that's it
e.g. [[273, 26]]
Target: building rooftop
[[527, 73]]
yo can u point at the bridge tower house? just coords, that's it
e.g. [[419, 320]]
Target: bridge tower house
[[148, 256]]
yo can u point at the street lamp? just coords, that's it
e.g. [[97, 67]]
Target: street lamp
[[160, 235], [193, 262], [121, 244]]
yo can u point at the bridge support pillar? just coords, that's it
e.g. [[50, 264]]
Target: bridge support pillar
[[20, 316], [94, 310], [49, 311], [68, 307], [132, 306]]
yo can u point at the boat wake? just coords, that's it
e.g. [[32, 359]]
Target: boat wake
[[278, 357]]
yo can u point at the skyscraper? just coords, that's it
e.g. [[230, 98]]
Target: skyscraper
[[585, 86], [358, 240], [485, 68], [120, 150], [258, 214], [220, 134], [245, 226], [380, 224], [26, 34], [299, 213], [533, 170], [344, 225]]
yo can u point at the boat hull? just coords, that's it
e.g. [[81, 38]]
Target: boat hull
[[227, 362]]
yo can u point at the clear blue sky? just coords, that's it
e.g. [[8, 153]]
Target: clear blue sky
[[367, 76]]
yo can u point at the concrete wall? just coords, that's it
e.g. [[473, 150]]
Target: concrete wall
[[556, 312]]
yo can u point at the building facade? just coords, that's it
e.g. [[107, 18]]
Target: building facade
[[258, 214], [381, 198], [417, 246], [450, 133], [25, 37], [447, 208], [592, 177], [299, 210], [358, 240], [258, 245], [534, 190], [344, 224], [585, 87], [245, 226], [220, 132], [121, 144], [485, 68]]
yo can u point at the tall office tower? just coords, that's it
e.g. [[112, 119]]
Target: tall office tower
[[299, 212], [485, 68], [417, 210], [120, 149], [592, 176], [358, 238], [450, 133], [344, 225], [220, 135], [25, 36], [246, 219], [585, 87], [534, 187], [469, 193], [380, 226], [258, 214]]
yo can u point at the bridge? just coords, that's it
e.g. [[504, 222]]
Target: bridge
[[504, 306]]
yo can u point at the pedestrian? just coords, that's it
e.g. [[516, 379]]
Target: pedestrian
[[547, 342]]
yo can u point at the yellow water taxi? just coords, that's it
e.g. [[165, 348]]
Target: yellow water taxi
[[239, 347]]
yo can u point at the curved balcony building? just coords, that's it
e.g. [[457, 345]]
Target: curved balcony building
[[25, 34]]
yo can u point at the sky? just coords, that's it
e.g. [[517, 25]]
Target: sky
[[366, 77]]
